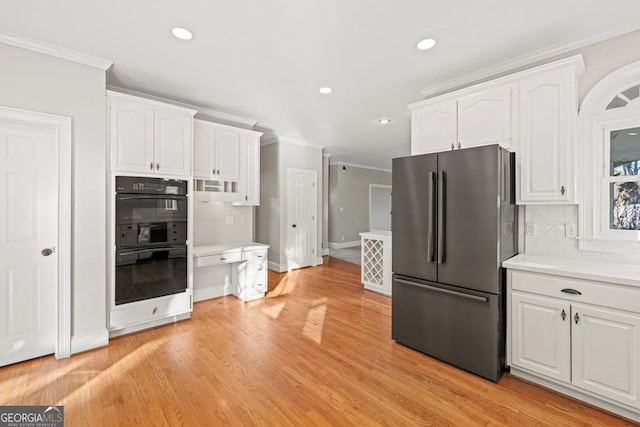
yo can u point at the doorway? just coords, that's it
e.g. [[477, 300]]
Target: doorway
[[34, 235], [301, 218]]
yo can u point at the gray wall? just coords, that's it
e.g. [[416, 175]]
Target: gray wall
[[349, 190], [37, 82], [271, 220], [268, 213], [325, 204]]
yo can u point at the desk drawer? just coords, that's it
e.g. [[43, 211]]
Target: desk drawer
[[215, 259], [256, 255]]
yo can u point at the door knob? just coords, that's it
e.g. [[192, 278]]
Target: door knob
[[46, 251], [294, 226]]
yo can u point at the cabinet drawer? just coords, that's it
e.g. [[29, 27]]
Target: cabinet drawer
[[598, 293], [154, 309], [222, 258], [259, 254]]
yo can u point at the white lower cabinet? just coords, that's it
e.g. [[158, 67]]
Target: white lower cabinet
[[251, 276], [582, 334]]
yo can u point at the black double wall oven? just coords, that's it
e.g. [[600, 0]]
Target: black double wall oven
[[150, 238]]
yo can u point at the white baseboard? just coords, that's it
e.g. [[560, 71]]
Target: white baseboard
[[277, 267], [343, 245], [89, 341], [151, 324], [210, 292], [325, 252]]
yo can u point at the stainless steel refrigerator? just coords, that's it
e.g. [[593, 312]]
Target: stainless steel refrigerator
[[454, 222]]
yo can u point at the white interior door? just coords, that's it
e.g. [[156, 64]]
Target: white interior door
[[28, 225], [301, 218]]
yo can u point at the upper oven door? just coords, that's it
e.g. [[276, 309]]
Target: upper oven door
[[149, 208]]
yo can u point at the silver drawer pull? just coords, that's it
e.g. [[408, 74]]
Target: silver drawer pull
[[571, 291], [223, 259]]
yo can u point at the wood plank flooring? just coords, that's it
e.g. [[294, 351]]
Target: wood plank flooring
[[317, 351]]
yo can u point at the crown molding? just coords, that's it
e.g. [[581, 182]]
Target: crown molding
[[200, 110], [56, 51], [528, 59], [355, 165], [292, 141], [327, 155]]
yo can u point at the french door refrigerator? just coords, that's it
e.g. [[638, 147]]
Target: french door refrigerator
[[454, 222]]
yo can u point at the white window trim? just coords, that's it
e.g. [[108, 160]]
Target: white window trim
[[595, 122]]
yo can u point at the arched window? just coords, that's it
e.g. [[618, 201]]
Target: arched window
[[610, 141]]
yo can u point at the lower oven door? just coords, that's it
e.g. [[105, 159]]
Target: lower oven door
[[456, 325], [144, 273]]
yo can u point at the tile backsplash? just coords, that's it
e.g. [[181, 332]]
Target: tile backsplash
[[549, 237]]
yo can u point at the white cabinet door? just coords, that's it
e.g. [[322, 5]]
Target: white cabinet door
[[227, 154], [606, 353], [250, 170], [541, 335], [485, 118], [549, 113], [434, 127], [203, 147], [131, 133], [172, 142]]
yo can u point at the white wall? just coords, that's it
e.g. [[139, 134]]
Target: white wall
[[268, 213], [37, 82], [210, 227]]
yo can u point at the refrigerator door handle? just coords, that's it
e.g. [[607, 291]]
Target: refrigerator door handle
[[441, 217], [431, 196], [443, 291]]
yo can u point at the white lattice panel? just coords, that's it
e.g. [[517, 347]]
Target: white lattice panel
[[373, 261]]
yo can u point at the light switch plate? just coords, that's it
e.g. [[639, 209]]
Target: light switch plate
[[571, 229], [229, 220], [242, 219]]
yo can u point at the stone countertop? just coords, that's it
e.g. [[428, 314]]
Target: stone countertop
[[199, 251], [601, 271]]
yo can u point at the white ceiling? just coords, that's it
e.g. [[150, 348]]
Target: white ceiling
[[266, 59]]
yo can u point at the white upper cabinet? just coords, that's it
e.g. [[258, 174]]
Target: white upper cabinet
[[485, 118], [434, 127], [149, 136], [447, 123], [250, 170], [545, 169], [216, 151]]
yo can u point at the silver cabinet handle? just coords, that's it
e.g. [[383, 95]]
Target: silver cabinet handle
[[158, 166], [441, 213], [564, 315], [431, 198], [576, 318], [223, 259], [246, 198], [154, 310], [571, 291], [562, 190], [453, 146], [213, 171], [459, 145], [444, 291], [151, 165], [218, 171]]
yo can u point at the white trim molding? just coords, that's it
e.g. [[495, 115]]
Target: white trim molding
[[528, 59], [355, 165], [56, 51], [89, 341], [292, 141], [214, 114], [62, 126]]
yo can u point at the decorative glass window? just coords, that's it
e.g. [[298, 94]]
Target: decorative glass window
[[610, 154], [622, 175]]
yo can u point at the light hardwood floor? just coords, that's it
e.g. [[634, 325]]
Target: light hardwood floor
[[317, 351]]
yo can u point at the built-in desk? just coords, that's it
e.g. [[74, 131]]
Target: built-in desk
[[238, 269]]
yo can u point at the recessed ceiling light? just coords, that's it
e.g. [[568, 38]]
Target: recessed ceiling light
[[632, 133], [325, 90], [384, 121], [426, 44], [182, 33]]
